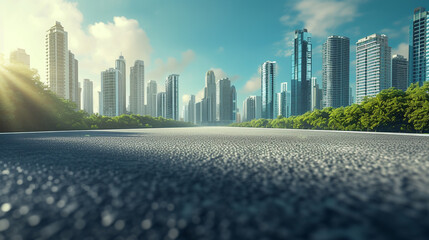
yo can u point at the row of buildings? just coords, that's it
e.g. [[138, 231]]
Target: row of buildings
[[376, 70]]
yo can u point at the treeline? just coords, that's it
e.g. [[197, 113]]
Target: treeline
[[392, 110], [27, 105]]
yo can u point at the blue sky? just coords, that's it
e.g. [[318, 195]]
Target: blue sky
[[190, 37]]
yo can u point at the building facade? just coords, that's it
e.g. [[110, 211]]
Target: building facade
[[419, 47], [210, 96], [399, 72], [152, 90], [172, 96], [301, 73], [137, 88], [224, 101], [19, 56], [373, 66], [268, 83], [283, 99], [57, 61], [74, 79], [336, 71], [161, 105], [122, 86], [110, 80], [316, 95], [191, 109], [88, 104]]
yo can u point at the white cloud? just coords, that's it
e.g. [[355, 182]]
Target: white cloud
[[200, 95], [321, 17], [401, 49], [400, 32], [220, 73], [186, 98], [253, 84], [172, 65], [286, 45]]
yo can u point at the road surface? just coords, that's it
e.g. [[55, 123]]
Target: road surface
[[213, 183]]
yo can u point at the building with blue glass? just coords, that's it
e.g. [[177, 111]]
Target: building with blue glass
[[419, 47], [268, 82]]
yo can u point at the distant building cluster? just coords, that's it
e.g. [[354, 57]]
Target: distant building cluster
[[376, 70]]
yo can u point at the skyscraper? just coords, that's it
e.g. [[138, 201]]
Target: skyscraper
[[233, 103], [283, 99], [198, 108], [336, 71], [122, 99], [399, 72], [87, 96], [373, 66], [419, 47], [19, 56], [137, 88], [210, 96], [172, 96], [258, 106], [248, 109], [100, 103], [151, 98], [57, 61], [268, 82], [301, 73], [110, 80], [73, 78], [316, 95], [161, 106], [224, 101], [191, 109]]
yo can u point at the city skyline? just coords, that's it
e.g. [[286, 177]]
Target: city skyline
[[190, 58]]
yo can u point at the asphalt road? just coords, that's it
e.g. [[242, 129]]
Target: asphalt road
[[213, 183]]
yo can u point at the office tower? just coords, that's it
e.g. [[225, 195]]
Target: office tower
[[161, 106], [224, 101], [172, 96], [151, 98], [110, 80], [19, 56], [210, 96], [137, 88], [185, 116], [248, 109], [205, 110], [399, 72], [419, 47], [191, 109], [233, 103], [198, 111], [316, 95], [351, 99], [73, 78], [336, 71], [301, 73], [79, 97], [268, 82], [373, 66], [258, 106], [57, 61], [283, 99], [122, 99], [87, 96], [100, 103], [238, 117]]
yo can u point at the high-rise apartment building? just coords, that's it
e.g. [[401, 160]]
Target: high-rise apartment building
[[373, 66], [419, 47], [316, 95], [172, 96], [248, 109], [268, 89], [57, 61], [137, 88], [122, 99], [283, 101], [161, 105], [151, 98], [301, 73], [234, 103], [88, 96], [73, 79], [224, 101], [399, 72], [336, 71], [198, 110], [191, 109], [19, 56], [210, 97], [110, 80]]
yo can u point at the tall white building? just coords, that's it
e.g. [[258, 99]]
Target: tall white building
[[151, 98], [210, 96], [57, 61], [19, 56], [172, 96], [161, 105], [137, 88], [122, 92], [316, 95], [88, 96], [110, 80], [74, 79], [373, 66]]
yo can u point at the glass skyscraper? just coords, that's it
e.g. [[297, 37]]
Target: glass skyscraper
[[172, 96], [419, 47], [373, 66], [268, 76], [301, 73], [336, 71]]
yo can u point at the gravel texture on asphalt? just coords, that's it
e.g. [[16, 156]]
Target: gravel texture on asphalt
[[213, 183]]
